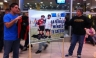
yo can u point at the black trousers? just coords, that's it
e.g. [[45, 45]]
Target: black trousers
[[26, 41]]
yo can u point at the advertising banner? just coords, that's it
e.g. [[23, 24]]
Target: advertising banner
[[46, 25]]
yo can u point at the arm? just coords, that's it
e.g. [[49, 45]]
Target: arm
[[87, 31], [8, 23], [93, 30], [70, 22]]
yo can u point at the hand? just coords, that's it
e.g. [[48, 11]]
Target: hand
[[19, 17], [92, 35], [64, 20], [85, 28]]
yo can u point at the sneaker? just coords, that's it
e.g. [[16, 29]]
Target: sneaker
[[38, 51], [49, 37], [42, 36], [45, 47], [93, 43], [31, 46], [25, 49], [21, 47], [78, 56], [68, 55], [48, 42], [46, 36]]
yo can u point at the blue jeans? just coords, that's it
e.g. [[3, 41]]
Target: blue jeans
[[40, 45], [75, 39], [8, 44]]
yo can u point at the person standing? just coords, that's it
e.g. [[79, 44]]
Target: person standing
[[11, 32], [78, 23], [1, 32], [25, 30], [2, 28], [48, 26]]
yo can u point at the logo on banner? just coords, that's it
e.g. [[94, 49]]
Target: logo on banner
[[58, 14]]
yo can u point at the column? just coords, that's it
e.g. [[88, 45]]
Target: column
[[71, 5], [21, 2]]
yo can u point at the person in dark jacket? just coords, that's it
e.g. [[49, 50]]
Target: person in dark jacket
[[1, 32], [78, 24], [25, 31], [1, 28]]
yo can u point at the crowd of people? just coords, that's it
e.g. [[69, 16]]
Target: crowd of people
[[15, 27]]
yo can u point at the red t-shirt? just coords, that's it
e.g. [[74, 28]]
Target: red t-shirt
[[40, 22]]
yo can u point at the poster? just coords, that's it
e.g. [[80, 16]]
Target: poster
[[53, 25]]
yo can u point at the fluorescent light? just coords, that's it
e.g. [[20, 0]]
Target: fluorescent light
[[35, 3], [84, 0], [1, 3], [5, 1], [88, 3], [30, 8], [27, 3], [50, 2], [78, 3], [41, 2]]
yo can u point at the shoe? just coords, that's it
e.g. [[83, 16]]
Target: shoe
[[46, 36], [93, 43], [31, 46], [78, 56], [68, 55], [49, 37], [48, 42], [21, 47], [45, 47], [25, 49], [38, 51]]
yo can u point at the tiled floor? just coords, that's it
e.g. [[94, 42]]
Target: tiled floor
[[55, 51]]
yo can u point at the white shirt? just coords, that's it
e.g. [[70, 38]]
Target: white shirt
[[48, 24]]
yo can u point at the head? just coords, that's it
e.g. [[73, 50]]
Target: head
[[79, 12], [14, 8], [19, 11], [49, 16], [92, 10], [26, 14], [42, 16], [7, 11]]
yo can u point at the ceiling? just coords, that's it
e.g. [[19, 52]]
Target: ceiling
[[92, 2], [44, 1]]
